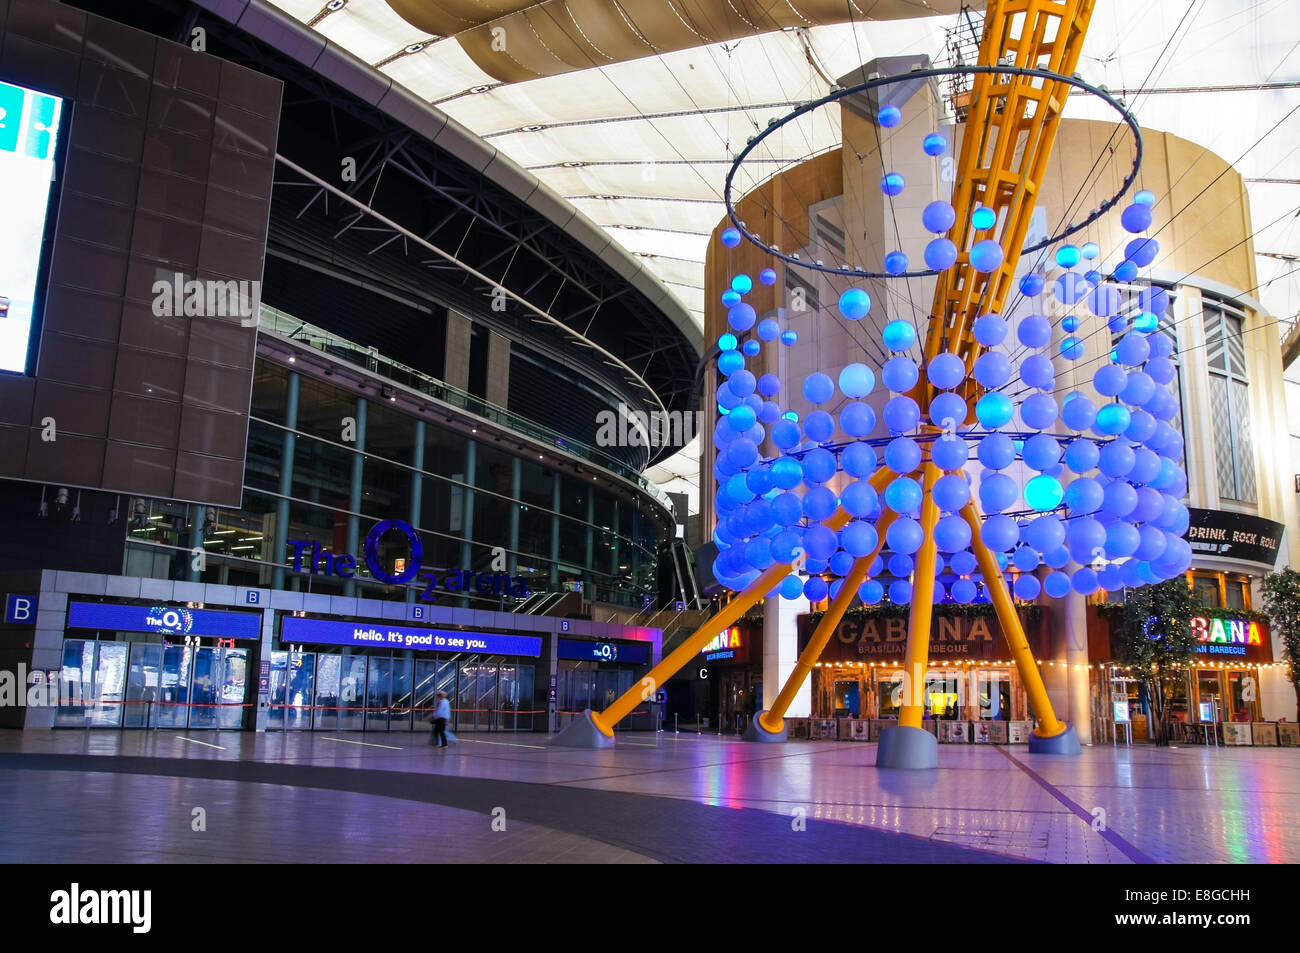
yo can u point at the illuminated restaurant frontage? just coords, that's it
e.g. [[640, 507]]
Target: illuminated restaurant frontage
[[973, 692]]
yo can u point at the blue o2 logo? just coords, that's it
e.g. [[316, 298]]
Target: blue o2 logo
[[377, 568]]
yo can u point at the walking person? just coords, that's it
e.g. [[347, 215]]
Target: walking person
[[441, 715]]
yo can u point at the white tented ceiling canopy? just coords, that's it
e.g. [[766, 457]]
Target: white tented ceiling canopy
[[634, 109]]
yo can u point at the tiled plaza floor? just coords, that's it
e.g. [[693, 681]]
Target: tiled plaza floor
[[328, 797]]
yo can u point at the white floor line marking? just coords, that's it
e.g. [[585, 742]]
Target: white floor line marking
[[368, 744], [508, 744], [197, 742]]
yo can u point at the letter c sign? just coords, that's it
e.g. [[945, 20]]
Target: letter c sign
[[372, 552]]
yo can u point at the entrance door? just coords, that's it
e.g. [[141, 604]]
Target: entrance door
[[846, 699], [378, 688], [218, 689]]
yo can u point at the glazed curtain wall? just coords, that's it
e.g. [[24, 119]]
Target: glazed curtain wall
[[327, 465]]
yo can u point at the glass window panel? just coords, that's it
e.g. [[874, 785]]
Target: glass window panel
[[270, 392], [142, 684], [109, 684], [174, 693], [327, 690], [279, 684], [352, 692], [322, 473], [298, 692], [378, 687], [386, 489], [399, 718], [389, 433], [444, 452], [76, 683], [322, 409]]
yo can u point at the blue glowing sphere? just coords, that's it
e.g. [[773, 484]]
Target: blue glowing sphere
[[730, 298], [949, 452], [994, 410], [855, 304], [901, 414], [1132, 349], [751, 348], [858, 459], [1140, 389], [1083, 496], [815, 589], [1145, 197], [1034, 331], [767, 276], [1067, 256], [791, 586], [858, 539], [992, 369], [820, 542], [857, 419], [1084, 581], [1142, 251], [940, 254], [963, 591], [1056, 585], [1109, 380], [951, 492], [857, 381], [946, 370], [898, 335], [998, 492], [789, 337], [996, 451], [818, 388], [1090, 251], [1126, 271], [818, 426], [982, 219], [1044, 493], [1070, 324], [742, 418], [900, 592], [892, 184], [1078, 411], [904, 535], [985, 256], [1027, 588], [1116, 459], [742, 317], [741, 383], [871, 592], [1073, 348], [1122, 540], [730, 361], [1119, 499], [1038, 411], [818, 466], [889, 116], [1071, 288], [951, 534], [860, 499], [730, 237], [728, 342], [938, 217], [902, 455], [899, 374], [934, 144], [1036, 370], [786, 507], [1087, 537], [1041, 452], [900, 565], [1000, 532], [963, 564], [819, 503], [948, 411], [786, 434], [742, 283], [1112, 419], [769, 329], [990, 329], [1031, 285], [786, 473], [1092, 276], [895, 263], [1136, 218]]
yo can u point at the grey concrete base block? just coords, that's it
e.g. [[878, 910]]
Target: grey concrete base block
[[582, 733], [756, 732], [905, 747], [1067, 742]]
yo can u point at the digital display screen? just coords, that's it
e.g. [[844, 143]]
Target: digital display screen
[[29, 129], [638, 654], [388, 635], [165, 620]]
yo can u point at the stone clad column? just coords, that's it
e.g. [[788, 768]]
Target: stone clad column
[[781, 651]]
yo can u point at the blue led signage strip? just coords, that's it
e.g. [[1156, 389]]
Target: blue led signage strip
[[392, 636], [164, 620]]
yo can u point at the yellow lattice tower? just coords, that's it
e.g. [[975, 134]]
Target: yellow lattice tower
[[1010, 130]]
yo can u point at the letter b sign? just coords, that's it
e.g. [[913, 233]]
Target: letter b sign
[[20, 610]]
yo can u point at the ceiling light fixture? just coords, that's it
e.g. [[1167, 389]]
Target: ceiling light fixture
[[532, 127], [479, 89]]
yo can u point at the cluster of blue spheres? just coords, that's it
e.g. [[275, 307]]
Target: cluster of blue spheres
[[1076, 490]]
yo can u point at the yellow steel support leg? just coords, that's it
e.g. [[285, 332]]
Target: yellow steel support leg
[[774, 719], [1030, 676], [691, 647], [918, 623]]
